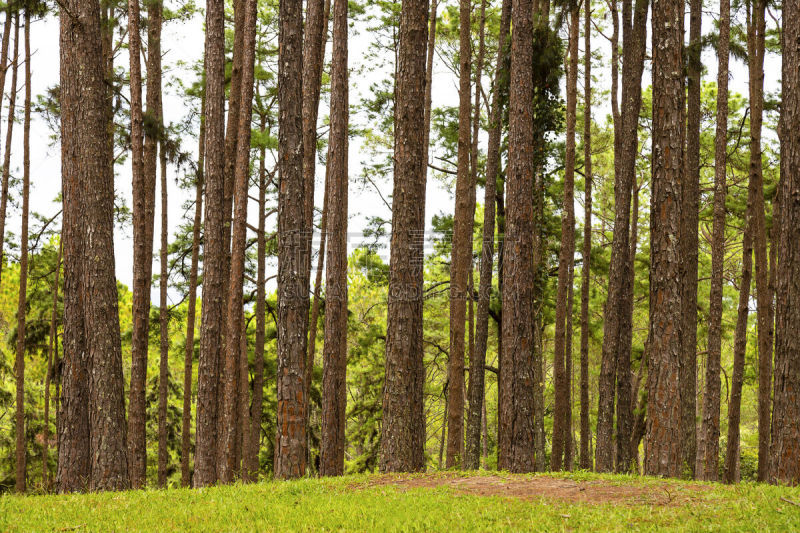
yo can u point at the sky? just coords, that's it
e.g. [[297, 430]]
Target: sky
[[182, 42]]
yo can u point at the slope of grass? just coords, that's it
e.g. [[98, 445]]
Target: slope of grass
[[373, 503]]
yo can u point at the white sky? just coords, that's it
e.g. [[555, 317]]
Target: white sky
[[183, 41]]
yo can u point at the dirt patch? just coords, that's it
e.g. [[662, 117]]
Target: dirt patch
[[545, 487]]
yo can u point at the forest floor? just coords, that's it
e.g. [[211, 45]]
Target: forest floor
[[442, 501]]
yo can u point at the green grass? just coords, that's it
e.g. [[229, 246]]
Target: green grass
[[353, 503]]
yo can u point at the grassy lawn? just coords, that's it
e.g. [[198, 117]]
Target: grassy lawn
[[445, 501]]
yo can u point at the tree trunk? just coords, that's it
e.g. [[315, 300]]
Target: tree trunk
[[403, 428], [615, 357], [569, 446], [214, 250], [334, 377], [78, 48], [316, 35], [786, 416], [516, 446], [229, 429], [52, 357], [163, 319], [19, 371], [461, 246], [252, 457], [764, 297], [565, 256], [709, 458], [477, 386], [293, 241], [585, 458], [12, 98], [690, 199], [186, 426], [663, 440], [739, 350]]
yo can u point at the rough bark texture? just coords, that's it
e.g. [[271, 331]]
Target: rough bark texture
[[566, 253], [186, 425], [615, 356], [461, 247], [143, 217], [76, 51], [663, 439], [708, 460], [12, 97], [163, 320], [251, 459], [739, 350], [227, 463], [516, 445], [786, 416], [19, 370], [477, 399], [293, 242], [316, 34], [764, 296], [334, 375], [214, 246], [689, 241], [52, 357], [585, 457], [403, 428]]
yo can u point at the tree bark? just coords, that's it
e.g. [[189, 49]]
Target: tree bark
[[293, 242], [252, 457], [739, 350], [163, 319], [477, 386], [403, 428], [227, 463], [516, 446], [709, 459], [316, 35], [78, 48], [663, 439], [214, 250], [52, 356], [786, 415], [565, 256], [186, 426], [19, 371], [615, 357], [764, 296], [334, 376], [585, 458], [690, 199], [461, 246]]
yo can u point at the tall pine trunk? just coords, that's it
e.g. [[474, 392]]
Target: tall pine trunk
[[516, 446], [708, 455], [786, 416], [214, 250], [403, 428], [690, 199], [191, 309], [163, 320], [585, 458], [566, 254], [21, 445], [293, 239], [461, 247], [477, 396], [334, 376], [663, 439]]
